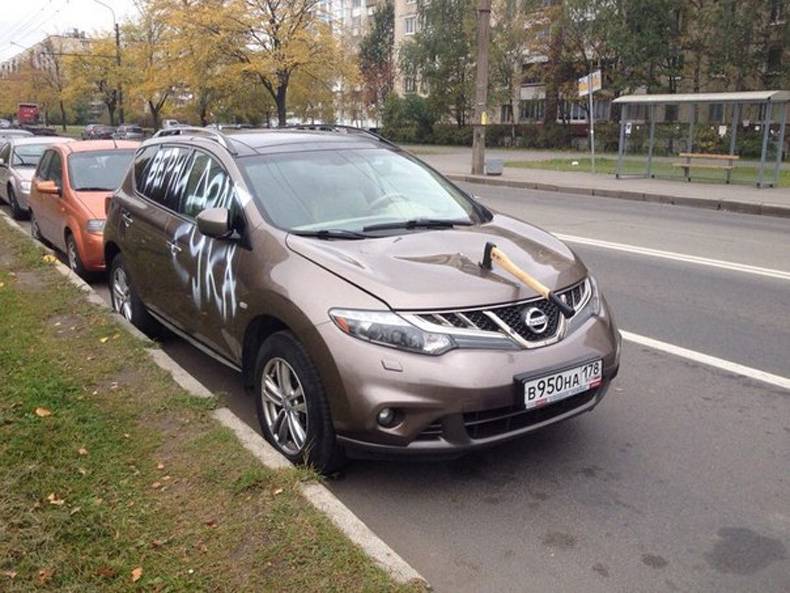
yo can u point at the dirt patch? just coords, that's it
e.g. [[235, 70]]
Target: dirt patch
[[31, 281], [66, 326]]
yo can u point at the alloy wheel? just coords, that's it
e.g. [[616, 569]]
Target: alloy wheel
[[121, 293], [284, 405], [71, 253], [35, 232]]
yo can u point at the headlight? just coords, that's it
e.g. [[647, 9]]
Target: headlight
[[589, 309], [389, 329], [25, 186], [95, 226]]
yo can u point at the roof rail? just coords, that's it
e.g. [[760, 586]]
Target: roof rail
[[338, 128], [216, 135]]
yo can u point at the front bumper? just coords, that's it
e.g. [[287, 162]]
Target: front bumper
[[93, 252], [462, 400]]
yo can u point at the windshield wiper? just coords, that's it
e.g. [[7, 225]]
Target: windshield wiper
[[414, 223], [332, 234]]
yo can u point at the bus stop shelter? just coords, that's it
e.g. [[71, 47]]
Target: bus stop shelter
[[768, 107]]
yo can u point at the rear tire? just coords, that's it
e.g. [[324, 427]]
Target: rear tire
[[35, 231], [125, 301], [292, 407], [73, 257], [16, 209]]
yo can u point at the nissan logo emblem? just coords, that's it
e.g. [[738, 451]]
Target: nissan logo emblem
[[536, 320]]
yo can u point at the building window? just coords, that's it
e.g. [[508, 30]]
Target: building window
[[716, 112], [356, 24], [356, 3], [777, 12], [506, 116], [411, 25], [410, 84], [671, 113], [532, 110]]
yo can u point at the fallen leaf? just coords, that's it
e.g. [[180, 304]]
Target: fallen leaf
[[83, 471], [137, 573], [2, 284], [126, 435], [75, 510], [43, 412], [104, 339], [165, 478], [106, 572], [82, 451], [45, 574], [211, 523], [156, 485], [160, 466], [157, 543], [50, 259], [53, 499], [9, 573], [278, 491]]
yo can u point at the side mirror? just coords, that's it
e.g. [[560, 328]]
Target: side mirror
[[214, 222], [2, 162], [48, 187]]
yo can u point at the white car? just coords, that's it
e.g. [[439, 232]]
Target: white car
[[18, 161]]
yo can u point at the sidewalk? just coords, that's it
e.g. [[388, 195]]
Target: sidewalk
[[455, 163]]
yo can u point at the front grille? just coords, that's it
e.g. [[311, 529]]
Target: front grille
[[492, 319], [499, 421]]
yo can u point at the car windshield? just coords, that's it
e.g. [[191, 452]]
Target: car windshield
[[28, 155], [98, 170], [353, 190]]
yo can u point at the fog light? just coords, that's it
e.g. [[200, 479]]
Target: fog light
[[386, 417]]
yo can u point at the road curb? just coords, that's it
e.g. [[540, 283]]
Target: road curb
[[762, 208], [316, 493]]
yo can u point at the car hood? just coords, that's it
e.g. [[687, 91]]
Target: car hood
[[24, 173], [93, 202], [439, 269]]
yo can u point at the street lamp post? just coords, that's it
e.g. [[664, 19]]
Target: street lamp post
[[481, 90], [117, 29]]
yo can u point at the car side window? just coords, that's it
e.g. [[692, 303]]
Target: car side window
[[56, 169], [208, 185], [165, 170], [141, 162], [42, 171], [5, 153]]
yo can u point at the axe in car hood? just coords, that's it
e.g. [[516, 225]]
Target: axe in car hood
[[493, 254]]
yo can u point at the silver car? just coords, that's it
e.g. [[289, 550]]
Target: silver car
[[18, 161]]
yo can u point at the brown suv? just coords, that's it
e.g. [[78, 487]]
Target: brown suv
[[341, 277]]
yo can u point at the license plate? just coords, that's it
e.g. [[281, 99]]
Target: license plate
[[556, 386]]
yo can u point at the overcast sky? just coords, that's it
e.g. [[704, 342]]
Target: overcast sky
[[27, 21]]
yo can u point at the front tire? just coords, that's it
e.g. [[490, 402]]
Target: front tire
[[35, 230], [73, 257], [16, 210], [291, 403], [125, 301]]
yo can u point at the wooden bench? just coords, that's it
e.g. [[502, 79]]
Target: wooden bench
[[689, 157]]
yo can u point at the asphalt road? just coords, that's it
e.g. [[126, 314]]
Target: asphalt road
[[678, 481]]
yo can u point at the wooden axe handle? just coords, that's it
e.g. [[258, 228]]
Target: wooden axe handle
[[505, 263], [535, 284]]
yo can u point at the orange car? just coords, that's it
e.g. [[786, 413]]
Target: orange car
[[68, 193]]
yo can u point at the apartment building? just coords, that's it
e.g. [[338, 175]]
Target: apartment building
[[406, 25], [45, 54]]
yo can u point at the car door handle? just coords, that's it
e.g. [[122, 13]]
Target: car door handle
[[127, 220], [175, 249]]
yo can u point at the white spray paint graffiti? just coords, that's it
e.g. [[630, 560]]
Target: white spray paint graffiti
[[207, 265]]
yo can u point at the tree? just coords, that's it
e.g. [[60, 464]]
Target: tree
[[272, 41], [441, 55], [149, 65], [94, 74], [376, 57]]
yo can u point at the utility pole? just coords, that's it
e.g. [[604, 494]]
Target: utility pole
[[117, 28], [118, 63], [481, 88]]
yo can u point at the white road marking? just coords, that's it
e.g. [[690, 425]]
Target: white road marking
[[683, 257], [719, 363]]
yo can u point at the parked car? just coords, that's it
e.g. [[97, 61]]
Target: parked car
[[13, 133], [67, 201], [128, 132], [340, 276], [5, 123], [97, 132], [171, 123], [229, 127], [19, 158]]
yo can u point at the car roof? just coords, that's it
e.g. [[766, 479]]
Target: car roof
[[262, 141], [40, 140], [96, 145]]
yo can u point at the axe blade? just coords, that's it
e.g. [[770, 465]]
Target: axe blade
[[486, 263]]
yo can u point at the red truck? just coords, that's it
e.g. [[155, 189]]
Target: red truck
[[27, 114]]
